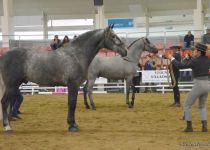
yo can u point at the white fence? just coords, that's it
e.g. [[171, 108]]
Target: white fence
[[105, 87], [35, 89]]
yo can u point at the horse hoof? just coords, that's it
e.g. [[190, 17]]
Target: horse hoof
[[73, 129], [87, 107], [130, 106], [93, 108], [8, 131]]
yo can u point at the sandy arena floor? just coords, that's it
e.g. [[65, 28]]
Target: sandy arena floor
[[151, 125]]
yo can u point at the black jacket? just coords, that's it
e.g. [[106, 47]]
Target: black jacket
[[177, 56], [199, 65]]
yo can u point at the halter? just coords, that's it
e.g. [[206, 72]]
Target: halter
[[111, 36], [142, 38]]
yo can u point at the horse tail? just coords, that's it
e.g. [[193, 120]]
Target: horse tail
[[2, 90]]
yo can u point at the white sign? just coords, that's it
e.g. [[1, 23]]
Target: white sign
[[101, 80], [160, 76]]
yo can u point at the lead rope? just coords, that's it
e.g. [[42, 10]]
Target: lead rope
[[173, 80]]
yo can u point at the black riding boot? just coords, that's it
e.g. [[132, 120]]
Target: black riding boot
[[204, 126], [189, 127]]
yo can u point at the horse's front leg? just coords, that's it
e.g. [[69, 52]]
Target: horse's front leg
[[91, 100], [128, 83], [133, 95], [72, 102], [90, 91], [85, 95], [127, 94]]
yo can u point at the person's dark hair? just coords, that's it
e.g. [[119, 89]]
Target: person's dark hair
[[67, 39], [203, 53]]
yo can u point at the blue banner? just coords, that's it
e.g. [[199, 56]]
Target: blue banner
[[121, 23]]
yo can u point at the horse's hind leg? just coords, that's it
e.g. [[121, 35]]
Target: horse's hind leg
[[6, 107], [85, 95]]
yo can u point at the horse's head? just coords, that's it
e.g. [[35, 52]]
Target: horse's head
[[148, 46], [113, 42]]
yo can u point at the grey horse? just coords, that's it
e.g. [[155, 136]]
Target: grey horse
[[117, 68], [64, 66]]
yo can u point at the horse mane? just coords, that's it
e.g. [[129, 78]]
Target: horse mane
[[134, 42], [84, 36]]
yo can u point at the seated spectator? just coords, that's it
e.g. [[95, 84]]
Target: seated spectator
[[56, 43], [65, 41], [188, 40]]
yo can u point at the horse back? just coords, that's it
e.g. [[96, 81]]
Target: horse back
[[111, 67]]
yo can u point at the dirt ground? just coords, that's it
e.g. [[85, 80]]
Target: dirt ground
[[150, 125]]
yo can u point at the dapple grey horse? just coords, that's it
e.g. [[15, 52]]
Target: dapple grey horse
[[117, 68], [64, 66]]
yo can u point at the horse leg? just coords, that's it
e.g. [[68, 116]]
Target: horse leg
[[6, 112], [2, 93], [127, 94], [90, 91], [91, 100], [72, 101], [133, 95], [7, 100], [128, 83], [85, 95]]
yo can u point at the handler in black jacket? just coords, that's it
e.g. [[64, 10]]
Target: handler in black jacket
[[200, 67], [176, 74]]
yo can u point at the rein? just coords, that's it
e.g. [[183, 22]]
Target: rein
[[126, 58]]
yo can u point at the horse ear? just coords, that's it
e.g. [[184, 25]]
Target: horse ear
[[112, 26], [147, 40]]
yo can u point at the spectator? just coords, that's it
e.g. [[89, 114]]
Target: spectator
[[187, 75], [206, 37], [65, 41], [149, 65], [175, 72], [75, 36], [188, 40], [16, 106], [56, 43]]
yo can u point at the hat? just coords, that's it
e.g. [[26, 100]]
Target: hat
[[201, 47], [175, 47]]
